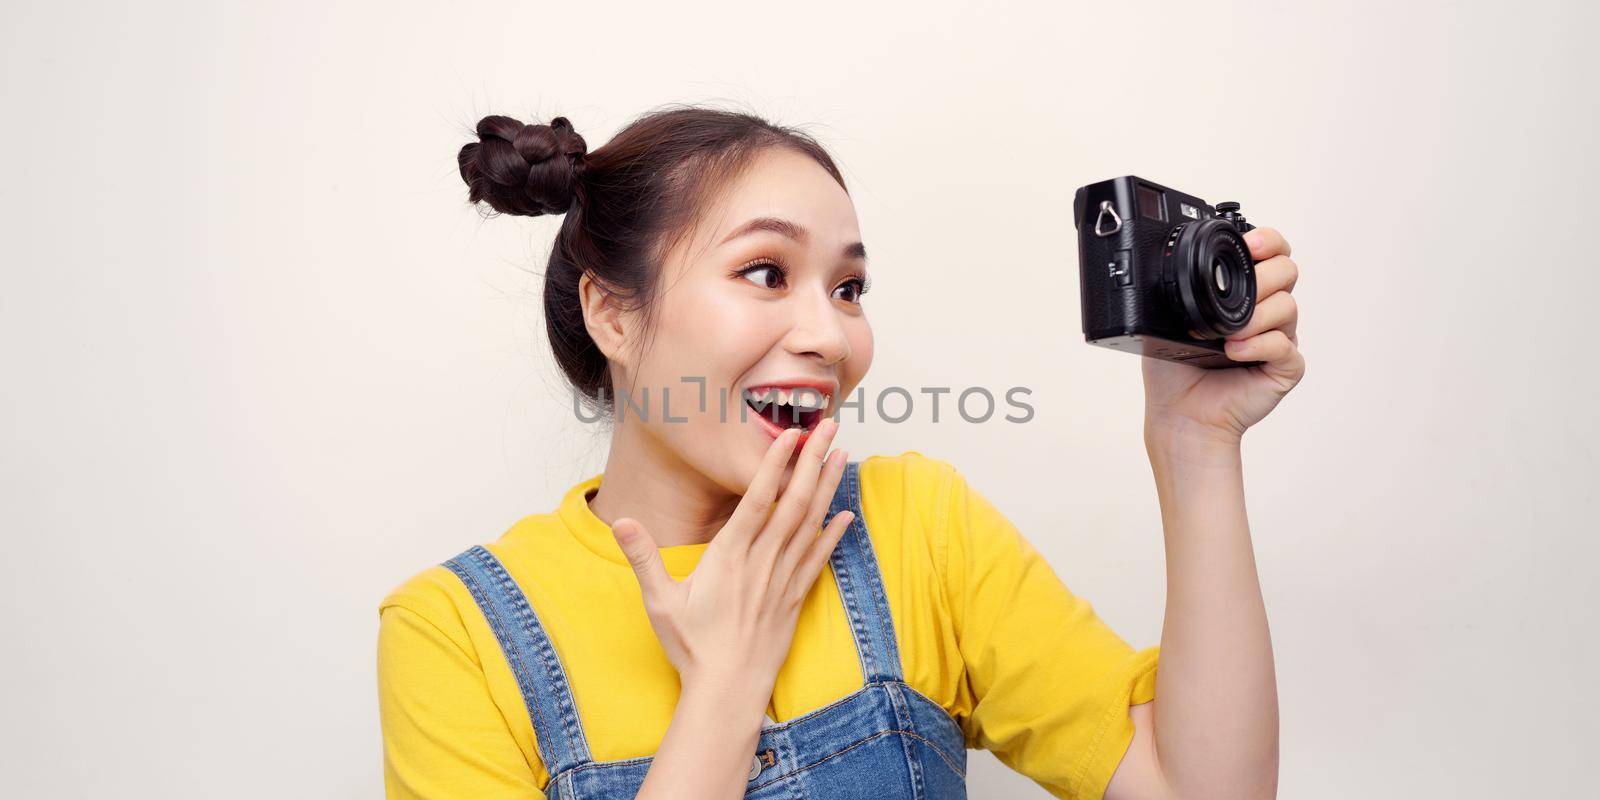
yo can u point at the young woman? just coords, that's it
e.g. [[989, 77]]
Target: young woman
[[733, 609]]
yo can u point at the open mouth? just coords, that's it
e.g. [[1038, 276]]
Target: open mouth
[[787, 407]]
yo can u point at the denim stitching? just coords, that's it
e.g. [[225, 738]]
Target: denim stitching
[[842, 751], [570, 727], [861, 581], [803, 717], [902, 714], [956, 726], [843, 574], [874, 583], [853, 559], [948, 757], [506, 646], [858, 630], [566, 775]]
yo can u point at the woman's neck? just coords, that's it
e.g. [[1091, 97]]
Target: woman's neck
[[647, 481]]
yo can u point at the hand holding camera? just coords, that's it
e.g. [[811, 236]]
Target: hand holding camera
[[1197, 289]]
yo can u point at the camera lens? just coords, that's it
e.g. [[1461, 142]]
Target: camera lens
[[1210, 271]]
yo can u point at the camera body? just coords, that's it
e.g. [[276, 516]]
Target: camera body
[[1162, 273]]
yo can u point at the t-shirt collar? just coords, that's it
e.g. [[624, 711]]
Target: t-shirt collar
[[595, 534]]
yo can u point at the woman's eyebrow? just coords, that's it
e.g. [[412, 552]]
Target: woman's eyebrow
[[792, 230]]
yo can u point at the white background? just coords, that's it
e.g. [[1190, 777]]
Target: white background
[[261, 361]]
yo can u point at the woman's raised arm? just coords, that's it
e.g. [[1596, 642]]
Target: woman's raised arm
[[1212, 730]]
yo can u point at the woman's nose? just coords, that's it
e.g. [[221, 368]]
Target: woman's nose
[[818, 330]]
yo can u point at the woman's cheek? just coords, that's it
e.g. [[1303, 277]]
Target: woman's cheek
[[860, 352], [739, 339]]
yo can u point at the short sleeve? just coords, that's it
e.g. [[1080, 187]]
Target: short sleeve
[[443, 735], [1050, 683]]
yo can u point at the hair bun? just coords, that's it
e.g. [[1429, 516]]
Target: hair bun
[[523, 169]]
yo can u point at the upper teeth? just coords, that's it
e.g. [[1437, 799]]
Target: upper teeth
[[800, 397]]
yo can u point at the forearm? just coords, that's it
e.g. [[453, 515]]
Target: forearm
[[709, 743], [1216, 712]]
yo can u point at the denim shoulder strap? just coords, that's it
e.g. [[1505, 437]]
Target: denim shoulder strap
[[532, 657], [855, 569]]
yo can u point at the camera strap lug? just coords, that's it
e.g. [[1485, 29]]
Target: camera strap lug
[[1106, 208]]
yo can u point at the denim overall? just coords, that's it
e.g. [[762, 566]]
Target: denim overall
[[884, 741]]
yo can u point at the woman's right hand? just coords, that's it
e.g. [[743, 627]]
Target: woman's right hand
[[732, 620]]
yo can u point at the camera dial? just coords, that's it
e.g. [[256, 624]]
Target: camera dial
[[1229, 210]]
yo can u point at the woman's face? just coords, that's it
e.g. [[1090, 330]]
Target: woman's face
[[764, 294]]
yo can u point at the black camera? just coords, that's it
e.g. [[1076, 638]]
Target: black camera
[[1162, 273]]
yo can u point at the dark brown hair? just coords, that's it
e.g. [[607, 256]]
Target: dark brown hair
[[627, 204]]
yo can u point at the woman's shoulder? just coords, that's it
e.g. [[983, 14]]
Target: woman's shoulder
[[911, 469], [915, 491], [908, 491], [437, 595], [911, 473]]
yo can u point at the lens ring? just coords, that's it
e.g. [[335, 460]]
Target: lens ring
[[1213, 276]]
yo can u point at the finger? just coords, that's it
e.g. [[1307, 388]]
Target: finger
[[1280, 312], [794, 548], [796, 498], [1282, 358], [1276, 274], [1266, 243], [756, 505], [817, 554], [645, 558]]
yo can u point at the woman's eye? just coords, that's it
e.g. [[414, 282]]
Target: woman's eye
[[765, 275], [853, 290]]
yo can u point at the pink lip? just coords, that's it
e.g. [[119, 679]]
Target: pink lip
[[826, 387]]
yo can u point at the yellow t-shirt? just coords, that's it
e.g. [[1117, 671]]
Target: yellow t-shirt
[[985, 629]]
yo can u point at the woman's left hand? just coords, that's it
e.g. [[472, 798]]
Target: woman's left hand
[[1184, 401]]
